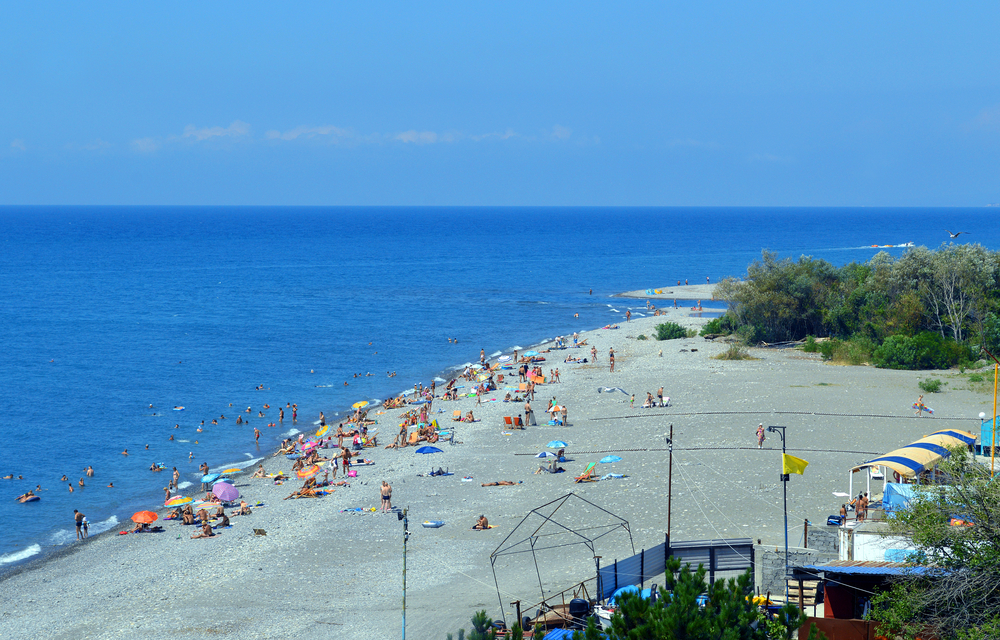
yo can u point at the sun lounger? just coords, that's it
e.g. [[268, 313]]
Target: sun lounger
[[508, 422], [457, 415], [517, 422], [588, 474]]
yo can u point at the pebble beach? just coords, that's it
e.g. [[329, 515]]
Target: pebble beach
[[326, 569]]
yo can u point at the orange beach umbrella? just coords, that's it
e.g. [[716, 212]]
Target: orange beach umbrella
[[144, 516]]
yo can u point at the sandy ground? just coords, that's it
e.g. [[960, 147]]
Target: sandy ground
[[334, 574]]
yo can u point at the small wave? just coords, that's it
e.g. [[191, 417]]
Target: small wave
[[238, 465], [496, 353], [641, 315], [63, 536], [613, 310], [439, 379], [17, 556], [516, 347], [104, 525], [183, 485], [183, 441], [291, 432]]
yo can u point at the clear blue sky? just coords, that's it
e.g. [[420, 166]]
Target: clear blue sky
[[500, 103]]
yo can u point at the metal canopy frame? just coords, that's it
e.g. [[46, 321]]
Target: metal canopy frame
[[552, 526]]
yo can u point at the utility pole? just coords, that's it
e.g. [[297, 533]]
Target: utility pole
[[406, 536], [784, 483], [996, 375], [670, 482]]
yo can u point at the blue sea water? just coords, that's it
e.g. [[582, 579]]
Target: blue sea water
[[111, 316]]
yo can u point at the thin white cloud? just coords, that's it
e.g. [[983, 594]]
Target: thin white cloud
[[988, 119], [561, 133], [18, 143], [417, 137], [236, 130], [145, 145], [309, 132], [506, 135]]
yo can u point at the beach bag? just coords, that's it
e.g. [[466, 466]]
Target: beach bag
[[834, 521], [352, 474]]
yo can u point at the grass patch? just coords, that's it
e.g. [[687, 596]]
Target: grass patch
[[810, 346], [736, 351], [824, 384]]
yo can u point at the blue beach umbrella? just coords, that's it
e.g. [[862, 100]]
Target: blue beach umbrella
[[609, 459], [530, 353], [557, 444], [212, 477], [429, 450], [546, 454]]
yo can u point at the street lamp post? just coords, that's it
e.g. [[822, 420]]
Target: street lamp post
[[406, 536], [784, 483]]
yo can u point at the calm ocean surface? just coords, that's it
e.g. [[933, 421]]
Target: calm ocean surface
[[105, 311]]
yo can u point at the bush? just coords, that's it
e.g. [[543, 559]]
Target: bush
[[976, 377], [718, 326], [827, 347], [927, 350], [670, 331], [810, 346], [692, 333], [641, 336], [930, 385]]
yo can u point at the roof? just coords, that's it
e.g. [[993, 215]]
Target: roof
[[914, 458], [867, 567]]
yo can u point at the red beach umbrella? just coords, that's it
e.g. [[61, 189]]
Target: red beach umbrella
[[308, 472]]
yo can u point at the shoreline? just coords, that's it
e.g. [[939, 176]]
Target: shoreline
[[164, 587]]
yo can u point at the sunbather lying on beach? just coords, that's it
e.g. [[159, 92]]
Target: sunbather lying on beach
[[244, 509], [501, 483], [469, 417], [206, 531], [481, 523], [259, 473]]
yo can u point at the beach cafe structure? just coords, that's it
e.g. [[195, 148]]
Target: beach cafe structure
[[910, 462]]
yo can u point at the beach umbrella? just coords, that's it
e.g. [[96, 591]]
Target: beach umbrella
[[554, 408], [546, 454], [557, 444], [530, 353], [322, 431], [177, 501], [233, 470], [144, 516], [212, 477], [225, 491], [609, 459], [308, 472], [429, 450], [358, 405], [482, 377], [504, 359]]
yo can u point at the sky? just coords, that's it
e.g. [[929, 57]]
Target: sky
[[500, 104]]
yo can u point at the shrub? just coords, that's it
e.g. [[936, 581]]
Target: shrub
[[927, 350], [641, 336], [670, 331], [930, 385], [810, 346], [827, 348], [976, 377], [718, 326], [691, 333]]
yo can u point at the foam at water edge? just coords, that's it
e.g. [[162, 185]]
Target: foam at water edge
[[104, 525], [240, 465], [438, 379], [496, 353], [23, 554], [183, 485], [291, 432]]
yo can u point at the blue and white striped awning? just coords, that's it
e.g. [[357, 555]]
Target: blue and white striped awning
[[923, 454]]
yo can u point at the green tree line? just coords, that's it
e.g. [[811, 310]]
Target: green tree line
[[927, 309]]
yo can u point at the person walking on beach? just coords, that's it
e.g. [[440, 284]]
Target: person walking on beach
[[631, 403], [659, 394], [78, 520], [482, 356], [529, 415], [386, 496], [760, 436], [628, 315], [919, 405], [593, 354], [611, 357]]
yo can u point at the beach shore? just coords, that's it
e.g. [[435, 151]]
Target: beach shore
[[329, 571]]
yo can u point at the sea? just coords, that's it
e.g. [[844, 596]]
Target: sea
[[113, 318]]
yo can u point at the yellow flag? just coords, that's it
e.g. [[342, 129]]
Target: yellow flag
[[791, 464]]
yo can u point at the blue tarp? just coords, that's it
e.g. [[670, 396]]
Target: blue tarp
[[897, 496], [986, 435]]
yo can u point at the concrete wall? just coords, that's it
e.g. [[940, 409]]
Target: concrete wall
[[823, 539], [771, 564]]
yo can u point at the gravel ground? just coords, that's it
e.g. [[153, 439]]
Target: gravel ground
[[336, 574]]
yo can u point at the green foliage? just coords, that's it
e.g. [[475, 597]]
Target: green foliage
[[641, 336], [729, 613], [692, 333], [539, 633], [718, 326], [810, 346], [855, 351], [670, 331], [930, 385], [516, 633], [957, 598], [976, 377], [481, 629], [927, 350]]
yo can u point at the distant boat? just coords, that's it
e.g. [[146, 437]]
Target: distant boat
[[893, 246]]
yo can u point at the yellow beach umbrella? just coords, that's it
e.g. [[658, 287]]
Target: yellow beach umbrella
[[233, 470], [358, 405], [322, 431]]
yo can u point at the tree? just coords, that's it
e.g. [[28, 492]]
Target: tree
[[729, 614], [957, 531]]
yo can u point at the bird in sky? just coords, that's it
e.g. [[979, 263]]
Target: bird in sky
[[955, 235]]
